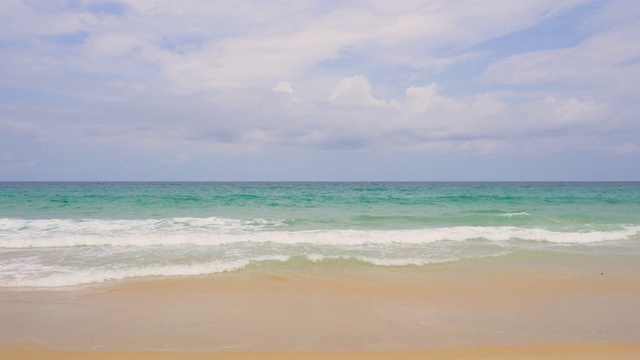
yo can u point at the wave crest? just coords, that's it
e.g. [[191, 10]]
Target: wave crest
[[17, 233]]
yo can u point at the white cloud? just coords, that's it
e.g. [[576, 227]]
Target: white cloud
[[608, 57], [255, 44], [217, 45], [421, 98], [208, 77], [354, 90], [572, 110], [283, 86]]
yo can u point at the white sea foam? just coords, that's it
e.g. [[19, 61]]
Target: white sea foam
[[17, 233], [515, 214], [394, 262], [57, 277], [54, 253], [404, 262], [35, 275], [316, 257]]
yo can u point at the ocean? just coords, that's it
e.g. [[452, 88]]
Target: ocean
[[60, 234]]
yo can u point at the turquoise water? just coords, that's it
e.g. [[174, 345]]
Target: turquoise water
[[57, 234]]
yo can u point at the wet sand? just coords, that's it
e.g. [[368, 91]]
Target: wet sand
[[448, 311], [583, 351]]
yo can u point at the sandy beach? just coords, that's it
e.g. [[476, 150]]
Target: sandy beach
[[562, 351], [447, 311]]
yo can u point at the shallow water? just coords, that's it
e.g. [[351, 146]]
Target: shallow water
[[60, 234]]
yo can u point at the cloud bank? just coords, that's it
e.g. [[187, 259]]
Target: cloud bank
[[160, 86]]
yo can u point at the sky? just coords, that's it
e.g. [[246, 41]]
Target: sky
[[325, 90]]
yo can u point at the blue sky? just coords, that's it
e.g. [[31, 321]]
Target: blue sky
[[319, 90]]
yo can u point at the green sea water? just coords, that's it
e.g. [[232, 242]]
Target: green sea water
[[57, 234]]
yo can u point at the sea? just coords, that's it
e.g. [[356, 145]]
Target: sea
[[62, 234]]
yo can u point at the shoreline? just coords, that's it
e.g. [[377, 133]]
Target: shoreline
[[321, 309]]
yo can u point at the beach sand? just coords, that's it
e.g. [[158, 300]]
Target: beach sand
[[459, 310], [583, 351]]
